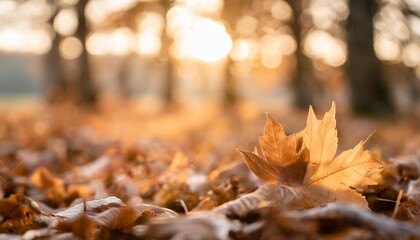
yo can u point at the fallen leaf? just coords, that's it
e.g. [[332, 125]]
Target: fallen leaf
[[337, 176], [205, 205], [306, 160], [92, 207], [81, 226], [17, 214], [53, 187], [117, 218]]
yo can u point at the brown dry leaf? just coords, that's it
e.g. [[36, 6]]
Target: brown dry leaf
[[205, 205], [408, 172], [118, 218], [92, 207], [77, 190], [147, 212], [53, 187], [81, 226], [17, 214], [407, 167], [285, 159], [98, 219], [260, 167], [278, 148], [159, 211], [307, 160], [191, 227]]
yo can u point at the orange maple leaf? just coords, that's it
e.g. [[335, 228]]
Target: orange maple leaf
[[306, 161]]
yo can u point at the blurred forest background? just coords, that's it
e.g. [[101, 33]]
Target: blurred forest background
[[362, 54]]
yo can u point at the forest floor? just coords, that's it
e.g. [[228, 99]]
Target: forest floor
[[139, 171]]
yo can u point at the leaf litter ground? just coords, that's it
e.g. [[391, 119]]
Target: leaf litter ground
[[151, 174]]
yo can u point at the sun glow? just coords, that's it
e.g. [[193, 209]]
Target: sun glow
[[197, 37], [20, 39], [411, 55], [323, 46], [193, 25], [148, 44], [244, 49], [71, 48], [98, 10], [118, 42], [200, 6], [209, 40], [65, 23], [387, 49]]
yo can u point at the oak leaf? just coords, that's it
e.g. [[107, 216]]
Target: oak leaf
[[306, 160]]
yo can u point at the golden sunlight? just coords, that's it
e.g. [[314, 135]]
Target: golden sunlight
[[178, 20], [11, 39], [21, 39], [71, 48], [246, 25], [7, 6], [148, 39], [244, 49], [323, 46], [98, 10], [96, 44], [281, 11], [148, 44], [70, 2], [270, 51], [65, 23], [209, 40], [200, 6], [414, 23], [387, 49], [118, 42], [274, 47], [39, 41], [151, 22], [322, 15], [411, 55]]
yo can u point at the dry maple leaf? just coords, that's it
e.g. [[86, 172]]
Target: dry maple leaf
[[285, 159], [306, 160]]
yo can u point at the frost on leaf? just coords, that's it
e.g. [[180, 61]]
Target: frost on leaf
[[306, 160]]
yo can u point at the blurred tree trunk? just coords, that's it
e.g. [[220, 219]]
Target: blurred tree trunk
[[124, 77], [230, 95], [56, 82], [168, 86], [84, 88], [231, 12], [369, 91], [304, 81]]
